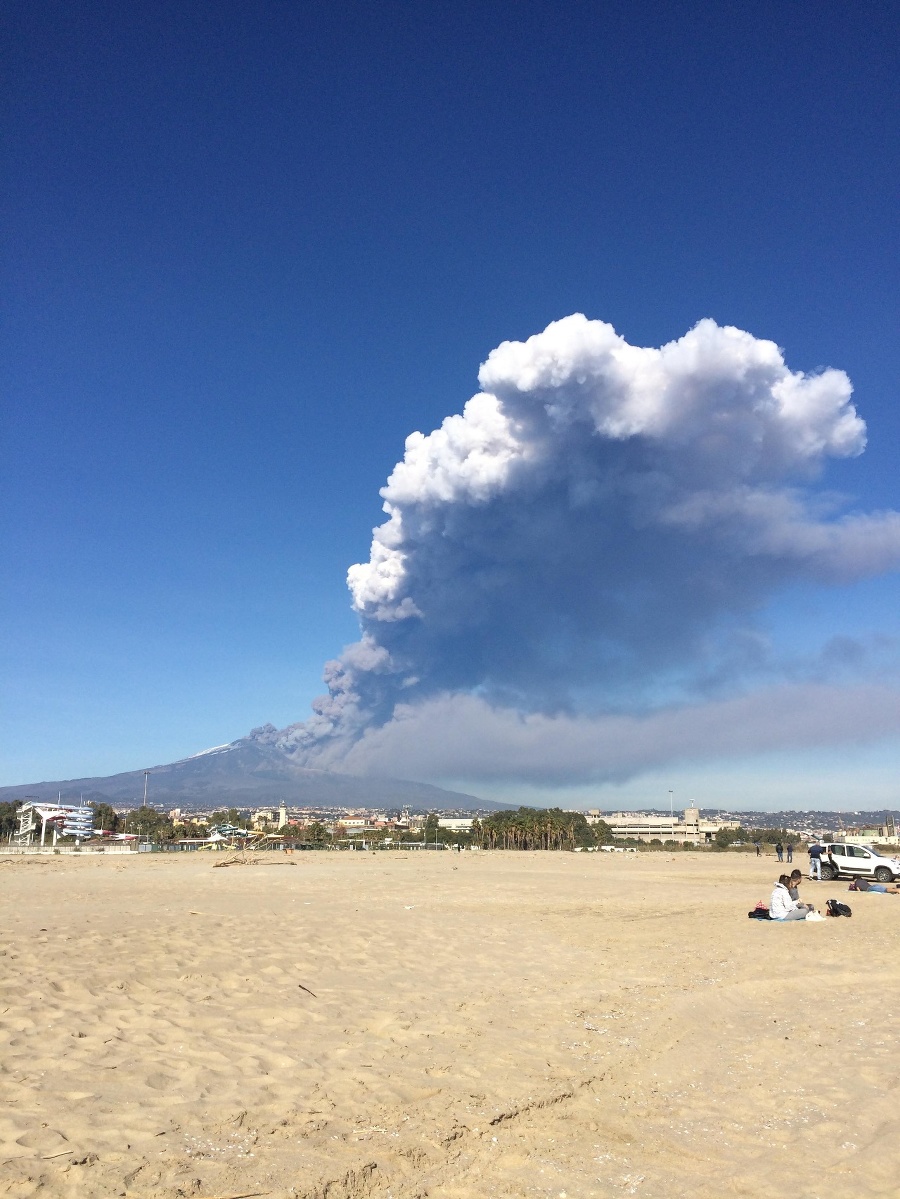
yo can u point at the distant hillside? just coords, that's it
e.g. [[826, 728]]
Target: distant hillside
[[248, 773]]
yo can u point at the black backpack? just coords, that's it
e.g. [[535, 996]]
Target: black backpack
[[834, 907]]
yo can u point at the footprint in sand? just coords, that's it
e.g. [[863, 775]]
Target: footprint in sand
[[159, 1082], [43, 1140]]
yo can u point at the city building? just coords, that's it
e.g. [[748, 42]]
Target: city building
[[643, 826], [873, 834]]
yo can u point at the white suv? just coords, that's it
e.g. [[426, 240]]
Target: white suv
[[855, 861]]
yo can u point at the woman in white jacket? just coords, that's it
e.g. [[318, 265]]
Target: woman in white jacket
[[781, 906]]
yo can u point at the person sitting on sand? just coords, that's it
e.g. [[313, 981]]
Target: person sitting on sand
[[782, 906], [794, 884], [863, 884]]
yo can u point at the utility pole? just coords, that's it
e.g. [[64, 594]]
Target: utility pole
[[672, 806], [146, 777]]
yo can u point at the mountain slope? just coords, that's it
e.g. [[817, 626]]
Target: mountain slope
[[248, 772]]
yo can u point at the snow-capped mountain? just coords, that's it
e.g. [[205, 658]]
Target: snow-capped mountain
[[248, 772]]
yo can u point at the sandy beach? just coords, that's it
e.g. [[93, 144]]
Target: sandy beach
[[409, 1025]]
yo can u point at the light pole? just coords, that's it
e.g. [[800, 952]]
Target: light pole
[[146, 777]]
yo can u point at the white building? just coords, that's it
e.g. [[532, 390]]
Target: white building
[[640, 826], [873, 834]]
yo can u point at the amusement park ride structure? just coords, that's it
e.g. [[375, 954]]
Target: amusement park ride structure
[[64, 819]]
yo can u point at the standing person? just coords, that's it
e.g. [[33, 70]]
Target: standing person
[[815, 862], [758, 850], [781, 906], [790, 856], [779, 851]]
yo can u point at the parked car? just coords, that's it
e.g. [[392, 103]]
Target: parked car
[[854, 861]]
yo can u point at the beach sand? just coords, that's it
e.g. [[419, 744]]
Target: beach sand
[[402, 1025]]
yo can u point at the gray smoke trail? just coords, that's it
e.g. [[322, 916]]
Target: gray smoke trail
[[589, 529]]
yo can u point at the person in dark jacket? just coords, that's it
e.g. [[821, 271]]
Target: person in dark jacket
[[863, 884], [815, 862], [779, 851]]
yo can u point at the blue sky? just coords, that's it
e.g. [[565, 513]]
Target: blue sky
[[252, 248]]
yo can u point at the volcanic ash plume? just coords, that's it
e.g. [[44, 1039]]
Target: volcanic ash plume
[[592, 529]]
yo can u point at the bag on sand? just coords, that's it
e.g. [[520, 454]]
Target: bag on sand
[[834, 907], [760, 912]]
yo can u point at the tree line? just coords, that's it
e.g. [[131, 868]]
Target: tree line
[[539, 828]]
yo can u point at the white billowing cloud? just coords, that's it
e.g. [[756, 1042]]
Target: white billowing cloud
[[596, 520], [714, 391], [719, 404], [466, 460]]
